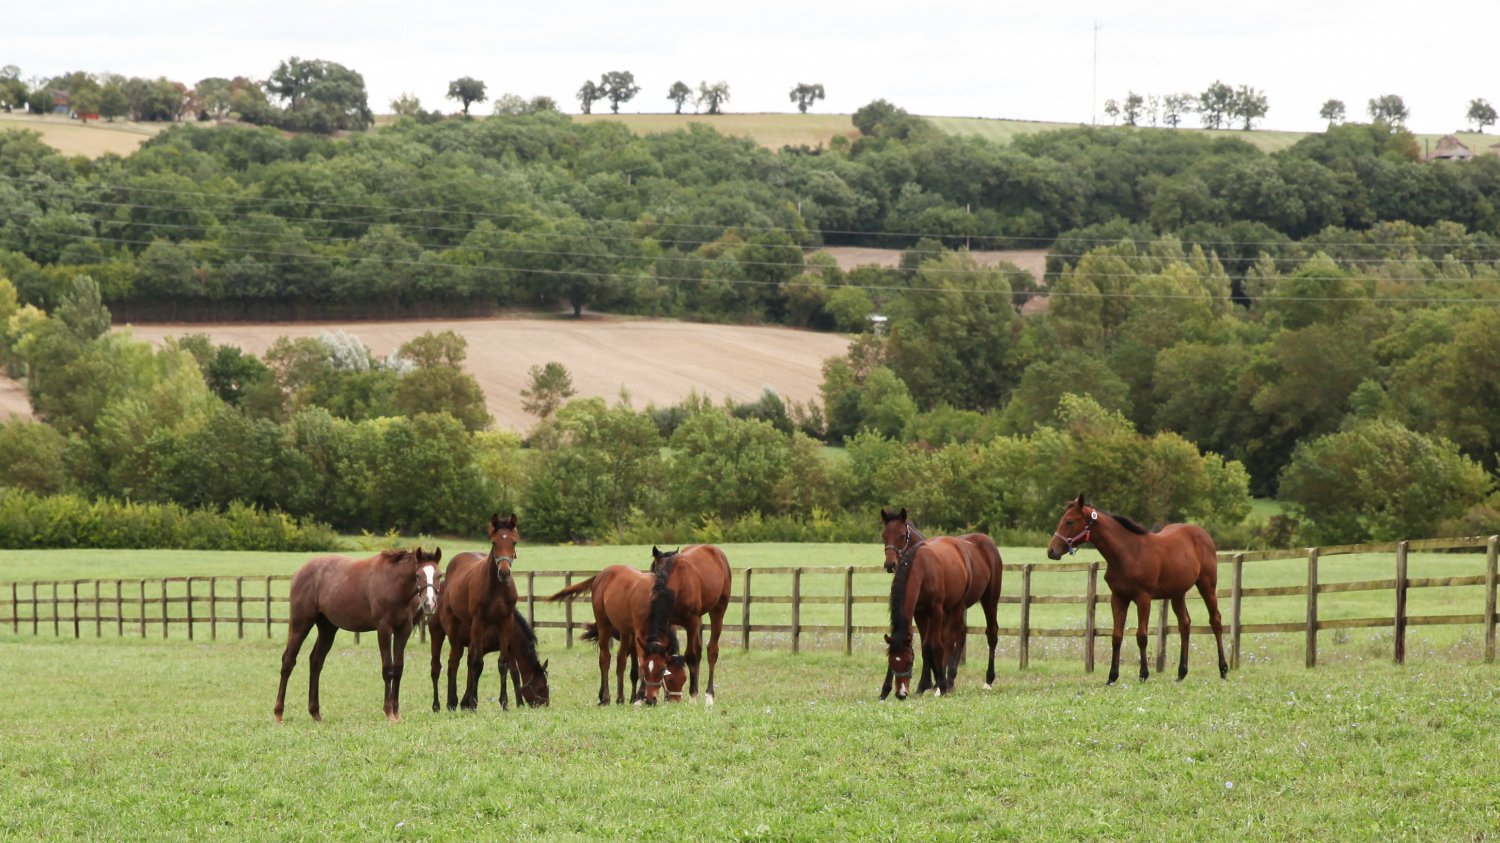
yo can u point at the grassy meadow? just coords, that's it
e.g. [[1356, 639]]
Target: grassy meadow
[[131, 738]]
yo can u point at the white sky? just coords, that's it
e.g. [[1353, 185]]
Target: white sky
[[1031, 61]]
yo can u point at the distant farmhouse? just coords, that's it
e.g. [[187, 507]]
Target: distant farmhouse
[[1450, 148]]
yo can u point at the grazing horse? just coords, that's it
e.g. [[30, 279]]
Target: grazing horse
[[902, 539], [930, 590], [384, 594], [636, 607], [1141, 565], [479, 600], [675, 674], [519, 659], [700, 577]]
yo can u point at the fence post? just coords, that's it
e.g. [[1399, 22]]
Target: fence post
[[239, 607], [76, 623], [268, 607], [1025, 615], [35, 607], [56, 613], [849, 611], [143, 608], [745, 614], [190, 610], [796, 609], [1312, 607], [531, 597], [1489, 598], [568, 611], [164, 604], [213, 608], [1090, 626], [98, 609], [1400, 621], [120, 608], [1234, 610], [15, 607]]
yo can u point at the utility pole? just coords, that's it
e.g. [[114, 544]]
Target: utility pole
[[1094, 101]]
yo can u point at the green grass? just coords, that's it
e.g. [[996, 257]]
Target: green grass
[[152, 740]]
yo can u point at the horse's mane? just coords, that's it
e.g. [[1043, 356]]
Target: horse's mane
[[391, 554], [900, 635], [530, 638], [663, 599], [1130, 524]]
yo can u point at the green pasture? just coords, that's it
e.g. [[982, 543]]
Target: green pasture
[[152, 740]]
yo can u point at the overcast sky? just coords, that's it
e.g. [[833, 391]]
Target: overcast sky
[[1030, 61]]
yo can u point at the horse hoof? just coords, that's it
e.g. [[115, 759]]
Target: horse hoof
[[638, 703], [393, 718], [937, 692], [988, 686], [278, 718], [692, 700], [708, 700]]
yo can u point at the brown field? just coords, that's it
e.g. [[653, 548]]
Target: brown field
[[1033, 261], [655, 362], [91, 140], [772, 131], [13, 400]]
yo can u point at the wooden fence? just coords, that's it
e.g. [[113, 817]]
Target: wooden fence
[[803, 602]]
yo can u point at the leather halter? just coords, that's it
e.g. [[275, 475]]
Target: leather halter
[[902, 555], [1082, 536]]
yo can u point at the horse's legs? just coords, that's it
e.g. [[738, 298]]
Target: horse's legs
[[1118, 605], [1209, 591], [929, 678], [402, 634], [436, 632], [939, 650], [296, 633], [694, 655], [326, 631], [387, 669], [715, 627], [620, 658], [1184, 626], [1142, 624], [477, 632], [455, 655], [958, 642], [604, 665], [991, 605]]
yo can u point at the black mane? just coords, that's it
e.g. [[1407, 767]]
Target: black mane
[[528, 635], [663, 600], [900, 626], [1130, 524]]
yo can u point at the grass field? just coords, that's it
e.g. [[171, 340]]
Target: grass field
[[91, 139]]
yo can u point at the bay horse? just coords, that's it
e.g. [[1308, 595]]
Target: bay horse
[[700, 577], [635, 606], [675, 674], [1142, 565], [478, 601], [518, 660], [384, 594], [986, 571]]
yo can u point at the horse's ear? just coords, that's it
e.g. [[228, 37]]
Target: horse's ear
[[884, 516], [887, 638], [437, 554], [544, 665], [1080, 500], [656, 552], [495, 521], [512, 522], [902, 514]]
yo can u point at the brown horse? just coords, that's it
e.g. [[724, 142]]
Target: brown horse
[[675, 674], [478, 601], [1141, 565], [931, 590], [519, 660], [902, 539], [383, 594], [700, 577], [636, 607]]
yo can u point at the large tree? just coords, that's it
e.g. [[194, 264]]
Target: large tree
[[587, 95], [320, 96], [1249, 104], [679, 93], [805, 95], [1174, 106], [1389, 109], [1333, 112], [466, 90], [714, 96], [618, 86], [1481, 114], [1214, 105]]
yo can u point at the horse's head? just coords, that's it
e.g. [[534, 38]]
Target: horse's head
[[534, 690], [429, 583], [896, 532], [1073, 529], [654, 668], [900, 658], [676, 676], [503, 538], [661, 558]]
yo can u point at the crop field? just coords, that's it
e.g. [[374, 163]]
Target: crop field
[[128, 738], [91, 139]]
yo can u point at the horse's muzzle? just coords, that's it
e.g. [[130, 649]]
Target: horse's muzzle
[[1054, 555], [890, 567]]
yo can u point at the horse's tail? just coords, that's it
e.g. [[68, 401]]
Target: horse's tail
[[574, 590], [590, 632]]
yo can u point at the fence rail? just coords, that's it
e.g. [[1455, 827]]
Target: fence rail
[[239, 606]]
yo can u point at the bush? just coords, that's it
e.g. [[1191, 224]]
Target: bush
[[63, 521]]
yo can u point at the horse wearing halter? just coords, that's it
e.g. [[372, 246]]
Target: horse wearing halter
[[1082, 536]]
